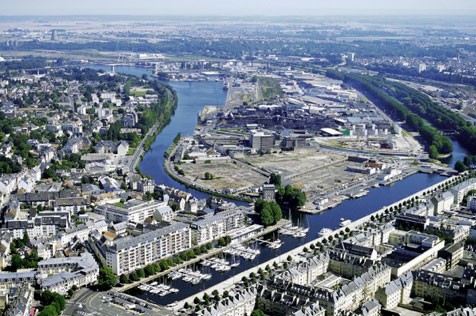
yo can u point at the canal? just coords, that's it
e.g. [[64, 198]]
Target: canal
[[192, 96]]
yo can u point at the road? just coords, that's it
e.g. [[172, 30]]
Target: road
[[87, 303]]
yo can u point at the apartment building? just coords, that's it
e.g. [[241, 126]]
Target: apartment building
[[216, 226], [304, 273], [239, 304], [64, 273], [135, 211], [130, 253], [396, 292]]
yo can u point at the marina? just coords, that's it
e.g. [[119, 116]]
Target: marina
[[243, 251], [159, 289], [190, 276], [218, 264], [294, 231]]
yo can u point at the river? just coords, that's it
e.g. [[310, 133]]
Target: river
[[192, 96]]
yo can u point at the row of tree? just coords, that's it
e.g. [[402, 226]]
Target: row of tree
[[405, 104], [154, 267]]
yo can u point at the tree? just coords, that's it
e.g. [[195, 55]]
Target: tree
[[133, 276], [259, 204], [106, 279], [460, 166], [275, 179], [257, 312], [291, 197], [49, 310], [54, 303], [140, 273], [266, 216], [124, 279], [208, 176], [276, 211], [149, 270]]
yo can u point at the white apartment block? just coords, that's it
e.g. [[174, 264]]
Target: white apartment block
[[460, 190], [216, 226], [304, 273], [133, 252], [134, 211]]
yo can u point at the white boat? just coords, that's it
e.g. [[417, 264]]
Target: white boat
[[154, 283], [325, 232], [174, 290], [172, 304], [154, 291], [275, 244], [305, 230], [344, 222], [235, 264]]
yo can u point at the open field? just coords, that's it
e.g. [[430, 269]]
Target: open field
[[315, 172], [225, 176]]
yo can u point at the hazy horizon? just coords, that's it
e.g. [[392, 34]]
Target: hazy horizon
[[242, 8]]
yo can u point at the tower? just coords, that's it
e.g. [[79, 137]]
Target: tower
[[54, 35]]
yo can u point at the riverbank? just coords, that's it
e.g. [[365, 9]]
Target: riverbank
[[168, 111], [170, 170]]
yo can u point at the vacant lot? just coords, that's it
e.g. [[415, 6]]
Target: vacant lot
[[316, 172], [225, 176]]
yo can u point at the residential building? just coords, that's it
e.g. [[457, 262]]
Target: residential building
[[396, 292], [304, 273], [459, 191], [64, 273], [129, 253], [134, 211], [21, 300], [10, 279], [442, 202], [430, 285], [215, 226], [453, 254], [239, 304]]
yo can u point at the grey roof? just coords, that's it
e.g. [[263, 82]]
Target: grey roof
[[370, 306], [84, 262], [17, 276], [58, 278], [128, 242]]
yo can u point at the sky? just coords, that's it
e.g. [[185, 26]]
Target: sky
[[238, 7]]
